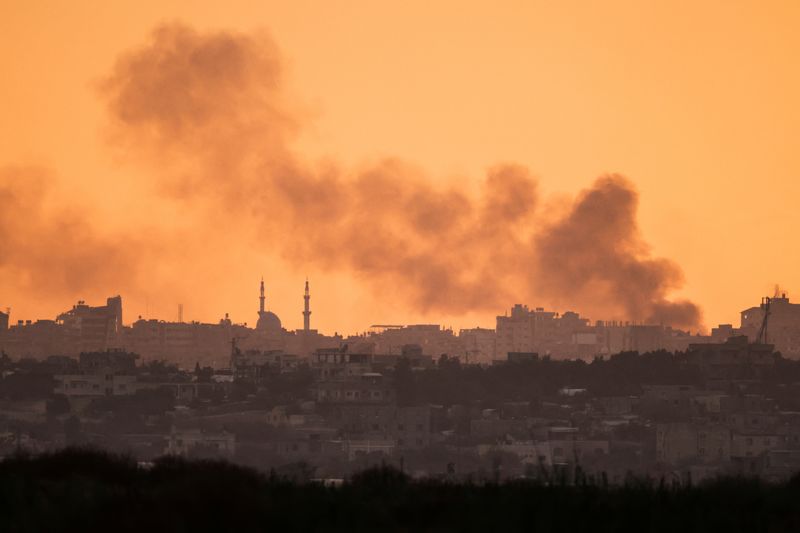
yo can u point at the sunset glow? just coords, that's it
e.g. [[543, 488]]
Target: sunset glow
[[425, 163]]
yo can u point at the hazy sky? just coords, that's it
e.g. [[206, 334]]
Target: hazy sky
[[695, 103]]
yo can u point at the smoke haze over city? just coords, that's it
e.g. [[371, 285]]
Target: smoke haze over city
[[207, 113], [209, 152], [367, 266]]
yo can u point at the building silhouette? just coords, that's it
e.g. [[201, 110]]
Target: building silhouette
[[783, 324], [268, 322], [306, 309]]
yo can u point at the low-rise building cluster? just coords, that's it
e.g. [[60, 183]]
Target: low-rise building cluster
[[544, 395]]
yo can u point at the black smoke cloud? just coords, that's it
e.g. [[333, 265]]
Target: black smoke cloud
[[595, 253], [208, 113]]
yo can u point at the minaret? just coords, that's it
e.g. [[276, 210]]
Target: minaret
[[307, 310], [261, 299]]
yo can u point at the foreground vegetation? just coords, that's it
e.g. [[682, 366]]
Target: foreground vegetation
[[86, 490]]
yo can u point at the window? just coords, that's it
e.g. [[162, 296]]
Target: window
[[401, 427], [420, 427]]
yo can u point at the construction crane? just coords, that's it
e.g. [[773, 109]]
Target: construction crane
[[761, 338]]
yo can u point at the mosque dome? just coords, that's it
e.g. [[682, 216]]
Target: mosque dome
[[268, 322]]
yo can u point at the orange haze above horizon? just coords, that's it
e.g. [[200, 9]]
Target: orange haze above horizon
[[695, 103]]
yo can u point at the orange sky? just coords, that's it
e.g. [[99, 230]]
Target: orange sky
[[695, 102]]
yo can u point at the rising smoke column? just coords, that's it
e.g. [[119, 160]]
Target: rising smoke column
[[596, 251], [208, 113]]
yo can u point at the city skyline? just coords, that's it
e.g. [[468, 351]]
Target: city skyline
[[265, 307], [563, 116], [358, 265]]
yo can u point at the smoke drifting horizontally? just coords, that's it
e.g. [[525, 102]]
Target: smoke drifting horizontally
[[211, 106], [52, 249], [207, 114]]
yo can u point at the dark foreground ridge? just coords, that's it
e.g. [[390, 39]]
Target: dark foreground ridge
[[86, 490]]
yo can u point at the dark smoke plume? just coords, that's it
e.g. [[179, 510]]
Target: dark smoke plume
[[208, 111], [596, 255]]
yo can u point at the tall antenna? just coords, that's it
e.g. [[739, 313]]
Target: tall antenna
[[180, 312]]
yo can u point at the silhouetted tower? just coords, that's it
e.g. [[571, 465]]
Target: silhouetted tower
[[762, 332], [307, 310], [261, 299]]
